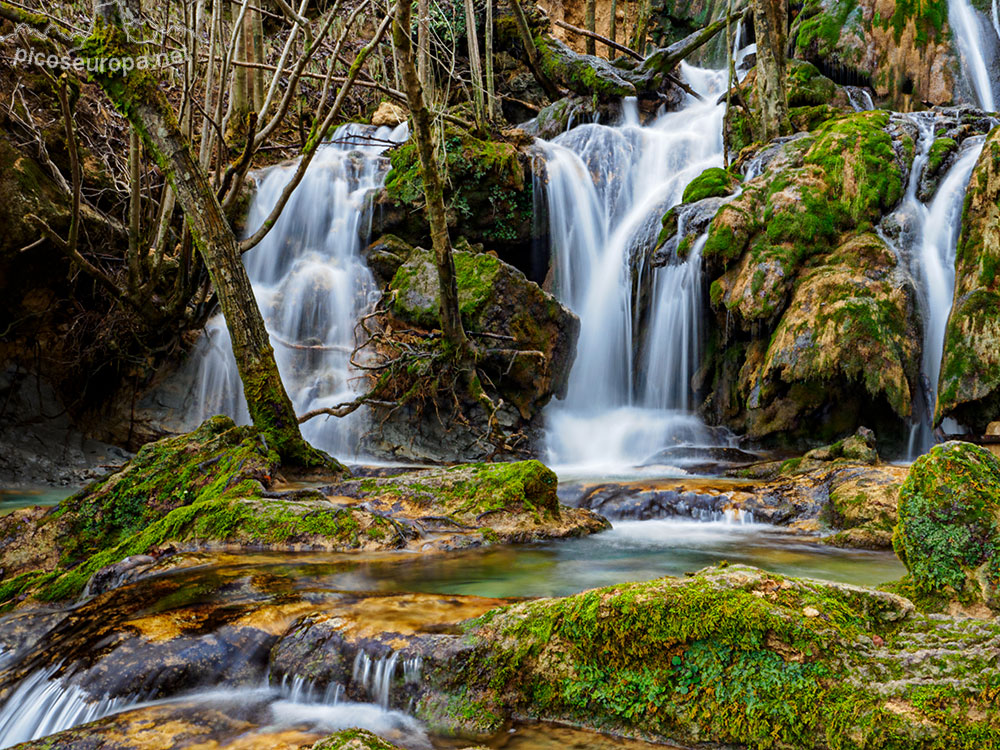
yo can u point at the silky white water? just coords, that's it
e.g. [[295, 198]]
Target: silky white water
[[974, 48], [607, 187], [932, 263], [311, 284]]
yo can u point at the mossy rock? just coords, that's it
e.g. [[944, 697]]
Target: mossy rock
[[354, 739], [948, 534], [900, 49], [498, 300], [731, 656], [581, 74], [488, 193], [714, 182]]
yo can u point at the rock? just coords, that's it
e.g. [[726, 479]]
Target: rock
[[527, 340], [212, 488], [389, 115], [903, 51], [818, 320], [969, 387], [385, 255], [489, 196], [948, 535], [589, 660], [354, 739]]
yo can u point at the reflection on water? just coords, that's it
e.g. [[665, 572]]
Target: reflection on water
[[631, 551], [13, 499]]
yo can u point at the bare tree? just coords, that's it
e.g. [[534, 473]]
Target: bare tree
[[771, 26]]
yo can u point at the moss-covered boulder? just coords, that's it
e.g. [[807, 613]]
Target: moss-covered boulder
[[500, 304], [969, 387], [714, 182], [817, 320], [354, 739], [488, 194], [948, 534], [731, 656]]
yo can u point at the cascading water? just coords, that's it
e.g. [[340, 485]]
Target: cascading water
[[973, 46], [607, 188], [933, 265], [43, 704], [311, 285]]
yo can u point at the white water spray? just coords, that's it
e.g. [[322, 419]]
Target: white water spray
[[933, 265], [311, 284], [607, 187], [973, 47]]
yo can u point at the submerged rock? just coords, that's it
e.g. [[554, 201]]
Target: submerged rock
[[948, 534]]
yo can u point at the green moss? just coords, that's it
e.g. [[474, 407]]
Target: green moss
[[939, 151], [928, 16], [821, 26], [714, 182], [725, 657], [354, 739], [948, 534], [484, 180]]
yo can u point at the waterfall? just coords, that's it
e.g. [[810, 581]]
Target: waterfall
[[973, 46], [933, 266], [42, 705], [311, 284], [607, 187], [375, 675]]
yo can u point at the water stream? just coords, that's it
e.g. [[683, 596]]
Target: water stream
[[311, 284], [607, 187], [934, 238], [974, 48]]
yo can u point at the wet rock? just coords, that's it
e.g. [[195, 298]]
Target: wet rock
[[214, 488], [389, 115], [385, 255], [542, 659], [904, 52], [818, 322], [948, 534], [969, 387], [527, 343]]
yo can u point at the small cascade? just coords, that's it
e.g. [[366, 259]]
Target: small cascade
[[299, 689], [974, 48], [311, 284], [859, 98], [607, 187], [42, 705], [933, 266], [375, 675]]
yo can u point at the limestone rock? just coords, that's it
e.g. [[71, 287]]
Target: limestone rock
[[389, 115]]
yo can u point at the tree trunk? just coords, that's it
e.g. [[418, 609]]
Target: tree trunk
[[770, 19], [492, 110], [423, 136], [424, 42], [139, 98], [613, 30], [590, 24], [475, 62]]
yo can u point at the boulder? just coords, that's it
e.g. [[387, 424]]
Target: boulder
[[389, 115], [904, 51], [499, 303], [948, 534], [818, 324]]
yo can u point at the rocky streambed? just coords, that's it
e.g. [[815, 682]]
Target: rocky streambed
[[202, 598]]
